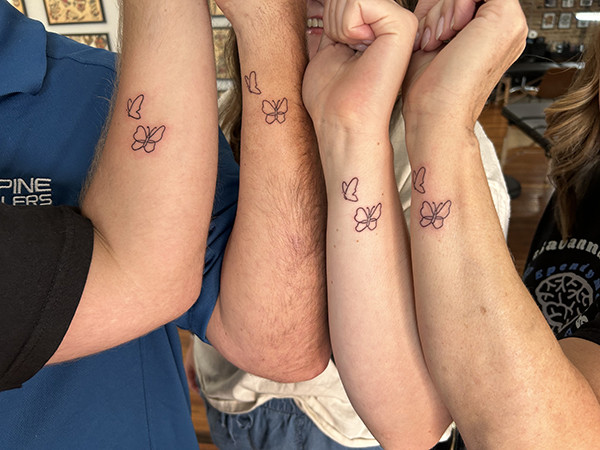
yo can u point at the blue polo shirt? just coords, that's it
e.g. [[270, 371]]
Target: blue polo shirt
[[54, 98]]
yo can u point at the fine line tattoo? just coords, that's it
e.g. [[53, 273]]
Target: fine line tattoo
[[434, 215], [349, 190], [147, 138], [134, 107], [366, 218], [419, 180], [275, 110], [252, 84]]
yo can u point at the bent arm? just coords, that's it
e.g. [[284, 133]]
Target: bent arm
[[151, 193], [271, 318]]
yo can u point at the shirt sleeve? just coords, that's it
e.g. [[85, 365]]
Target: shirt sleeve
[[44, 262]]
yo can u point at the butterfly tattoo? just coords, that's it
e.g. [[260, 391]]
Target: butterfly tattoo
[[147, 138], [419, 180], [349, 190], [251, 83], [367, 218], [134, 107], [434, 215], [275, 110]]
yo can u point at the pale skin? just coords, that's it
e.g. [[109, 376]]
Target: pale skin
[[539, 393], [370, 293], [143, 274], [271, 318], [492, 359]]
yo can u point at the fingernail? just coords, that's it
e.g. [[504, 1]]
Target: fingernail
[[417, 41], [440, 28], [367, 42], [452, 24], [426, 37]]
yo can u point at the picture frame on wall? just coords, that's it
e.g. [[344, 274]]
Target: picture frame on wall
[[582, 23], [548, 21], [564, 21], [586, 3], [214, 9], [568, 3], [19, 4], [550, 3], [99, 40], [60, 12]]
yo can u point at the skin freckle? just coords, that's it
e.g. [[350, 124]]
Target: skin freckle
[[483, 310]]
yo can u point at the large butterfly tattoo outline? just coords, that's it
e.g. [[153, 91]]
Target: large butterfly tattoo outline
[[366, 218], [252, 84], [146, 138], [434, 214], [275, 110]]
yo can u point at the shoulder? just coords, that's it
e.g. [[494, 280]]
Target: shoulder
[[61, 48]]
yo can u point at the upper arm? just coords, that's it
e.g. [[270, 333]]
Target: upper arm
[[585, 356]]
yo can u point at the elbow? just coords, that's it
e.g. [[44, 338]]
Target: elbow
[[298, 368]]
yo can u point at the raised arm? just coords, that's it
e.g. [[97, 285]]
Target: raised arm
[[491, 354], [270, 319], [373, 328], [151, 192]]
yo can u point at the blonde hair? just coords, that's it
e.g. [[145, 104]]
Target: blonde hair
[[574, 133], [230, 111]]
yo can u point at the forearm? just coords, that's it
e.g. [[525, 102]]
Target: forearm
[[370, 297], [151, 193], [272, 298], [482, 334]]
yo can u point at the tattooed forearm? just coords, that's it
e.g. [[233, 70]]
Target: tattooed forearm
[[252, 84], [144, 137], [275, 111]]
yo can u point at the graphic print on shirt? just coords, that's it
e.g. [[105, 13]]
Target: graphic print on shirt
[[30, 191], [564, 279]]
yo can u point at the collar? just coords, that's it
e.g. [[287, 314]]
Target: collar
[[22, 52]]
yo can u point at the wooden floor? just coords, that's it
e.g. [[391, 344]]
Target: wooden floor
[[525, 161]]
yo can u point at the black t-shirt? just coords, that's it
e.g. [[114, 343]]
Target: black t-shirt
[[563, 276], [44, 261]]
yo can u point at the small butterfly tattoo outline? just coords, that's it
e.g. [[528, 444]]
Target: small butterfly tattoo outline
[[434, 215], [419, 180], [134, 107], [147, 138], [349, 190], [367, 218], [252, 84], [275, 110]]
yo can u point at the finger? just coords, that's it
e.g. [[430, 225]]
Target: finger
[[464, 10]]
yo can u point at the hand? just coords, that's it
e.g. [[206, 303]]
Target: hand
[[457, 80], [441, 20], [354, 89]]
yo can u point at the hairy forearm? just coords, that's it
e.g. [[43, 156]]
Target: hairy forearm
[[482, 334], [151, 194], [272, 298]]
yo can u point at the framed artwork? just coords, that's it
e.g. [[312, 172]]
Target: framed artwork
[[214, 9], [548, 20], [550, 3], [564, 21], [568, 3], [582, 23], [62, 12], [93, 40], [220, 36], [585, 2], [19, 4]]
